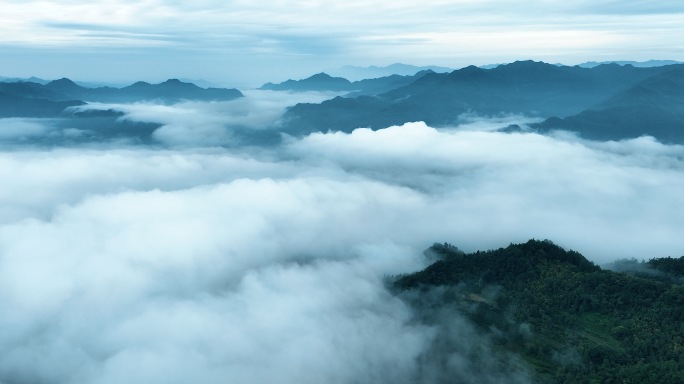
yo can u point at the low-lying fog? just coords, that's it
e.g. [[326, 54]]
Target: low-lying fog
[[198, 261]]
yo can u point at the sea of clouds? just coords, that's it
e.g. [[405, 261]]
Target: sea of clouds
[[202, 260]]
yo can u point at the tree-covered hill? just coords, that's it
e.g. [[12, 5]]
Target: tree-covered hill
[[568, 319]]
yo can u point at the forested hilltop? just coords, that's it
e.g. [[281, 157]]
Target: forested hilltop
[[567, 319]]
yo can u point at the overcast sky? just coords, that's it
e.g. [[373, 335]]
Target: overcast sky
[[246, 43]]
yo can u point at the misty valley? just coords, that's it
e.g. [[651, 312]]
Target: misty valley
[[603, 102], [513, 223]]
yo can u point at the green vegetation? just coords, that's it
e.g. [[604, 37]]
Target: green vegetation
[[567, 319]]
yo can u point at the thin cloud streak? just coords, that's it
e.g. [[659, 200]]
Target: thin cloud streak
[[193, 123], [306, 37]]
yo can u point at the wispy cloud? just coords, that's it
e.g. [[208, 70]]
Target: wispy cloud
[[193, 123]]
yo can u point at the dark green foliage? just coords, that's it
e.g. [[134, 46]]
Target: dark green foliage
[[669, 265], [565, 317], [667, 269]]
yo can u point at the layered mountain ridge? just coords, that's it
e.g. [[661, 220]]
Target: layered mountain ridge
[[30, 99], [527, 88], [602, 102]]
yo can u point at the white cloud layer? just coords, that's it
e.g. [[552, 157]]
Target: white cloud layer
[[606, 200], [213, 265], [196, 123]]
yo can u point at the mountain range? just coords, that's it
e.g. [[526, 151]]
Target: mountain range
[[652, 107], [586, 100], [31, 79], [645, 64], [54, 101], [599, 102], [355, 73], [322, 82], [30, 99]]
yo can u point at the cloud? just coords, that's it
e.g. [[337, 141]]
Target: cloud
[[605, 200], [231, 41], [39, 131], [195, 123], [248, 279], [210, 264], [14, 130]]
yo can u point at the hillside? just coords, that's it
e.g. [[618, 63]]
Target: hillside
[[317, 82], [16, 105], [323, 82], [568, 320], [654, 106], [356, 73], [66, 90], [68, 126]]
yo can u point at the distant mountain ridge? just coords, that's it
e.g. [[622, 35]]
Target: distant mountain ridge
[[31, 79], [318, 82], [602, 102], [356, 73], [29, 99], [654, 107], [54, 99], [639, 64], [171, 90], [322, 82], [524, 87]]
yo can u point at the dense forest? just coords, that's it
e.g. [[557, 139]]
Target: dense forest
[[566, 319]]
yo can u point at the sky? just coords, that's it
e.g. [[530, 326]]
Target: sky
[[246, 43]]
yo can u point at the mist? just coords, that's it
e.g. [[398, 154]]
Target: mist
[[219, 123], [207, 261]]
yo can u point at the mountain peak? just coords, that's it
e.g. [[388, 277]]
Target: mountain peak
[[324, 77], [532, 69], [63, 83], [177, 84], [469, 73], [318, 82], [520, 64], [320, 76], [138, 84], [471, 69], [63, 80]]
